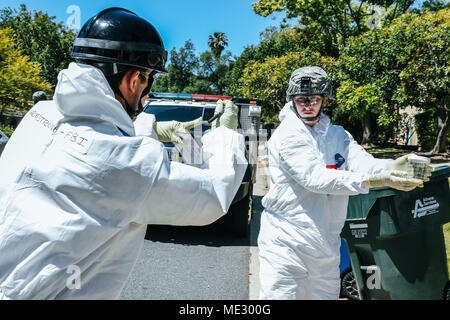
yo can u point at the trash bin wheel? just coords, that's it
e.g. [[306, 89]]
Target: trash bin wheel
[[348, 285]]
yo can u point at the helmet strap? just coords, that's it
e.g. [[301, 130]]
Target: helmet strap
[[112, 73], [131, 112], [113, 82]]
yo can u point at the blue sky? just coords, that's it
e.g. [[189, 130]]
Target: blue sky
[[176, 20]]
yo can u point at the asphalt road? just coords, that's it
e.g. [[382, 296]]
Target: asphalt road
[[185, 263]]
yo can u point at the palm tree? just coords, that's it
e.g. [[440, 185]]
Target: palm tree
[[217, 43]]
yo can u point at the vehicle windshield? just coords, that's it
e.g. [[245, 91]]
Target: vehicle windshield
[[179, 113]]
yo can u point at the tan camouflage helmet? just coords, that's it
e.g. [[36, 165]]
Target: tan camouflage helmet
[[307, 81]]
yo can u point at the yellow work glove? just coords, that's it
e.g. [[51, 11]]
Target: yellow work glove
[[395, 179], [167, 130], [401, 164], [229, 118]]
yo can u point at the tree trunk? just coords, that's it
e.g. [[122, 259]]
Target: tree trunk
[[441, 140], [367, 131]]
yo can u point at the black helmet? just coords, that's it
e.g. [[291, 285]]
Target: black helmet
[[118, 36]]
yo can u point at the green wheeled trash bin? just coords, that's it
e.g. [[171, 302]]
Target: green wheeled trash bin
[[396, 242]]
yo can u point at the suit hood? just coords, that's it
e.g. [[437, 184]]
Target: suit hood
[[83, 92]]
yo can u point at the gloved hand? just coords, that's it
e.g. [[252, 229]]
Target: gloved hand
[[401, 164], [229, 118], [394, 179], [167, 130]]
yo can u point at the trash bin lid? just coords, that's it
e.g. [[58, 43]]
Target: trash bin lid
[[360, 205], [440, 172]]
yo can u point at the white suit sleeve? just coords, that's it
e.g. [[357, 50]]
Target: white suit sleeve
[[359, 160], [185, 195], [303, 163]]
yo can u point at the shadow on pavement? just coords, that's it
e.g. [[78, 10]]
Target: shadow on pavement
[[215, 234], [256, 220], [206, 235]]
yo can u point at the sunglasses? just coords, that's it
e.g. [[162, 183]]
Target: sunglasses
[[149, 79]]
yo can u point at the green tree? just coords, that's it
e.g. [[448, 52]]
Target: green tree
[[183, 64], [41, 38], [19, 77], [403, 64], [433, 6], [331, 22], [188, 73], [368, 76], [425, 79], [217, 42], [273, 44], [213, 72]]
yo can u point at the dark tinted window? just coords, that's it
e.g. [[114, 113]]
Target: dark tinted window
[[208, 114], [178, 113]]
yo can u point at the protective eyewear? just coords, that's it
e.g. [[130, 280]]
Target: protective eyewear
[[149, 78], [303, 101]]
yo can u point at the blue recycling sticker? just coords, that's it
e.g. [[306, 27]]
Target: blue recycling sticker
[[339, 160]]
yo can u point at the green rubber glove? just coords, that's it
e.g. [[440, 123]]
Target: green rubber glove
[[167, 130], [229, 118], [395, 179]]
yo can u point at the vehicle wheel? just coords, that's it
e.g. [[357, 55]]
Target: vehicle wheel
[[238, 220], [348, 285]]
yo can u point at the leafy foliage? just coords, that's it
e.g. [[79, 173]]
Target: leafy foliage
[[277, 45], [19, 77], [217, 42], [41, 38], [331, 22], [189, 73], [181, 70], [8, 130], [403, 64]]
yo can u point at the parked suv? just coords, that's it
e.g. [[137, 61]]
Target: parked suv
[[3, 141], [187, 107]]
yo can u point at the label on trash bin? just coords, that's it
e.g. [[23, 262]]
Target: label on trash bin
[[425, 207], [358, 230]]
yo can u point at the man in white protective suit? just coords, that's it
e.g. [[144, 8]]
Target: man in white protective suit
[[79, 184], [314, 167]]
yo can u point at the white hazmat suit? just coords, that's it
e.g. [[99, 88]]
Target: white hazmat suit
[[306, 206], [78, 189]]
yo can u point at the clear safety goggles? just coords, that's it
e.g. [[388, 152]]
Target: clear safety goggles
[[148, 77], [311, 100]]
